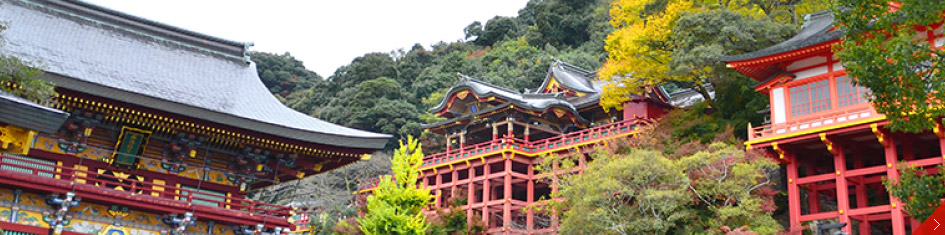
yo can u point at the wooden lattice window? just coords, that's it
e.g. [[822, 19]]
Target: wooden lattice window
[[27, 163], [810, 98], [849, 94]]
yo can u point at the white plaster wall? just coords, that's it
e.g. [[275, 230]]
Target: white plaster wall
[[779, 111], [837, 66], [807, 62], [810, 72]]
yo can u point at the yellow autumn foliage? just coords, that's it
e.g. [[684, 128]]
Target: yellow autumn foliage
[[639, 48]]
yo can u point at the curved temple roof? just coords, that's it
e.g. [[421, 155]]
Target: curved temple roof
[[569, 76], [816, 29], [530, 101], [97, 51]]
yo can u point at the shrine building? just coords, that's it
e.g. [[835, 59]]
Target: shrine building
[[155, 130], [834, 146], [496, 136]]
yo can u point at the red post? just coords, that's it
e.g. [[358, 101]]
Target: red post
[[941, 146], [507, 207], [454, 183], [794, 197], [449, 145], [470, 194], [495, 132], [813, 199], [526, 132], [509, 133], [530, 194], [439, 191], [843, 197], [861, 200], [486, 195], [898, 225], [554, 189]]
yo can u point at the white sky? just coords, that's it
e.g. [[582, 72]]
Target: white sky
[[323, 34]]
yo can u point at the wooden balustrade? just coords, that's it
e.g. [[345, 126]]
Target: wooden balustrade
[[531, 147], [817, 120], [14, 165]]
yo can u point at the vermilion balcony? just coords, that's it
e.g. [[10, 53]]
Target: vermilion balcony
[[856, 114], [535, 147], [164, 198]]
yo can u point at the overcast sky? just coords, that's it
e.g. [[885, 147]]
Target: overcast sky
[[323, 34]]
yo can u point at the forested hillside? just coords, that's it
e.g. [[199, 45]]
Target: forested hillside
[[664, 42], [390, 92]]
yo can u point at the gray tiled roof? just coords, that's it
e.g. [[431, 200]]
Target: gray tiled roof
[[531, 101], [816, 29], [26, 114], [569, 76], [95, 51]]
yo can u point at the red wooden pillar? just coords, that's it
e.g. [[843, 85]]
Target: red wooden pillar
[[941, 144], [439, 191], [530, 194], [861, 200], [843, 197], [454, 185], [794, 193], [507, 193], [898, 225], [486, 194], [526, 132], [813, 197], [426, 182], [509, 133], [495, 132], [554, 190], [582, 161], [462, 140], [449, 145], [470, 194]]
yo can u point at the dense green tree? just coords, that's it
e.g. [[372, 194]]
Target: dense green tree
[[396, 207], [660, 41], [377, 105], [734, 186], [637, 192], [562, 22], [722, 186], [496, 29], [883, 51], [501, 53], [367, 67], [920, 192], [473, 30], [283, 74]]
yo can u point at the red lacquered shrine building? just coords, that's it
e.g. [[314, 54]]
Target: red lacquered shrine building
[[495, 137], [156, 130], [833, 144]]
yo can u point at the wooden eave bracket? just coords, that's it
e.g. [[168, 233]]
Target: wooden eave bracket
[[780, 79], [828, 143], [880, 136], [779, 151], [938, 130]]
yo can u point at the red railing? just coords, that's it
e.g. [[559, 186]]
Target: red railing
[[818, 120], [16, 165], [531, 147]]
